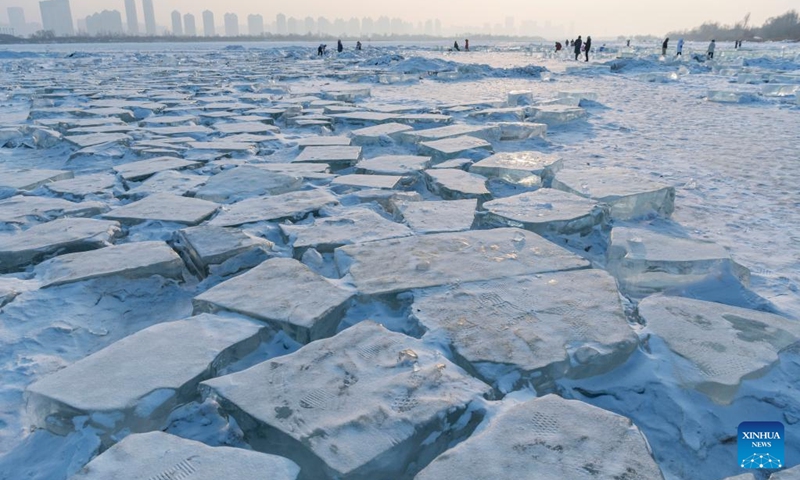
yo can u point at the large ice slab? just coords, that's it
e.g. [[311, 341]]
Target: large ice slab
[[450, 148], [84, 185], [170, 181], [367, 181], [284, 293], [131, 260], [550, 438], [532, 329], [520, 130], [93, 139], [274, 208], [21, 209], [477, 131], [455, 184], [374, 135], [717, 346], [245, 127], [519, 167], [438, 217], [30, 179], [396, 265], [336, 157], [246, 181], [629, 195], [394, 165], [365, 404], [20, 249], [553, 115], [164, 207], [344, 226], [136, 382], [137, 171], [323, 142], [646, 262], [547, 211], [206, 246], [161, 456]]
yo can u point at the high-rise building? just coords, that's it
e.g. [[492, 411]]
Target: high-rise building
[[310, 25], [209, 29], [105, 23], [231, 25], [16, 18], [57, 17], [131, 17], [280, 24], [189, 25], [177, 24], [292, 26], [149, 17], [255, 25]]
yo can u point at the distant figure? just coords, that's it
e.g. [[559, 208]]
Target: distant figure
[[680, 48], [629, 43], [558, 47], [455, 46], [578, 44], [466, 45], [711, 47], [603, 47], [339, 47], [588, 46], [358, 45], [571, 43], [566, 43], [321, 49], [664, 47]]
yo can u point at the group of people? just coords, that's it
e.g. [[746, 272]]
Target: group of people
[[323, 48], [466, 46], [710, 52], [578, 46]]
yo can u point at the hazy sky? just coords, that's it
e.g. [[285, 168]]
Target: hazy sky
[[592, 17]]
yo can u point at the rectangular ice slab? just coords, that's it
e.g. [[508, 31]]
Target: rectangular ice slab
[[520, 130], [131, 260], [438, 217], [284, 293], [323, 142], [646, 262], [17, 250], [165, 207], [247, 181], [367, 181], [366, 404], [533, 329], [373, 135], [22, 209], [161, 456], [137, 171], [393, 165], [450, 131], [556, 114], [337, 157], [84, 185], [344, 226], [455, 184], [390, 266], [628, 194], [519, 167], [550, 438], [136, 382], [450, 148], [30, 179], [724, 345], [205, 246], [279, 207]]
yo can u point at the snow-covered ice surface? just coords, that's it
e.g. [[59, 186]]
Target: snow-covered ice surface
[[478, 205]]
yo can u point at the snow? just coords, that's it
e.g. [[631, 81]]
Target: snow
[[358, 405], [160, 455]]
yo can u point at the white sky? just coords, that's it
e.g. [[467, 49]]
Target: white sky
[[589, 17]]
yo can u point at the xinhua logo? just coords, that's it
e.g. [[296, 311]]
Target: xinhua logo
[[761, 445]]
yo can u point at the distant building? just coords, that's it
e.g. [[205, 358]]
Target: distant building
[[131, 17], [189, 25], [16, 18], [231, 25], [293, 26], [255, 25], [149, 17], [280, 24], [177, 24], [310, 25], [57, 17], [105, 23], [209, 29]]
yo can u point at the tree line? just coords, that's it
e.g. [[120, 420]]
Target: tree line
[[783, 27]]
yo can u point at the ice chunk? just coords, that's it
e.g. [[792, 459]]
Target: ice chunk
[[137, 171], [248, 127], [547, 211], [323, 142], [30, 179], [452, 131], [394, 165], [344, 227], [727, 96], [550, 438], [454, 184], [170, 120], [84, 185], [365, 404], [539, 328], [438, 217], [336, 157], [457, 163], [384, 198], [17, 250], [164, 207], [274, 208], [195, 131], [161, 456], [507, 114], [363, 118], [170, 181], [397, 265], [520, 98], [646, 262], [21, 209], [579, 94], [450, 148], [205, 246], [520, 130], [367, 181], [93, 139], [131, 260], [284, 293], [723, 345], [373, 135], [556, 114], [778, 90], [752, 78], [246, 181], [135, 383], [628, 194], [519, 167]]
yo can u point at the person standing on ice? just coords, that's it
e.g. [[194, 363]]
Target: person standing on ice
[[455, 46], [578, 44], [680, 48], [339, 47], [711, 47], [358, 45], [588, 46], [558, 47], [664, 47], [466, 45]]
